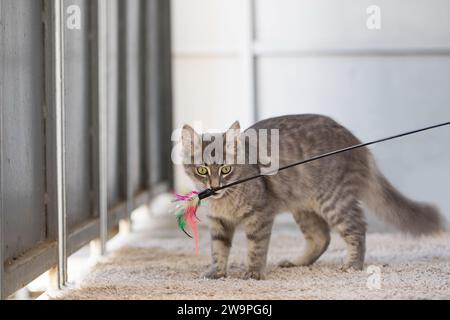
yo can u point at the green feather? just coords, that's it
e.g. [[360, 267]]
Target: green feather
[[180, 219]]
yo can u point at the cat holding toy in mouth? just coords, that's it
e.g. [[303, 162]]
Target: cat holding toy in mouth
[[322, 195]]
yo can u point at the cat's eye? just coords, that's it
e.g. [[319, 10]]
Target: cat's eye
[[203, 171], [225, 170]]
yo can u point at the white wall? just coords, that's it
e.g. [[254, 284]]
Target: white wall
[[318, 56], [209, 71]]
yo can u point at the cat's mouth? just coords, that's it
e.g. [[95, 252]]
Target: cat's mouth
[[218, 194]]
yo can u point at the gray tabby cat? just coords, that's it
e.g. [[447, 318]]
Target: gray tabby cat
[[321, 195]]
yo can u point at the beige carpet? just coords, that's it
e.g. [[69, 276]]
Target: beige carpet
[[158, 264]]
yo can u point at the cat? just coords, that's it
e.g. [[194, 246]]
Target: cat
[[322, 195]]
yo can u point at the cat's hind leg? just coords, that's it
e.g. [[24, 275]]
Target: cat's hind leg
[[317, 238], [349, 222]]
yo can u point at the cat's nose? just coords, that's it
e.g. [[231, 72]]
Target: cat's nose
[[215, 182]]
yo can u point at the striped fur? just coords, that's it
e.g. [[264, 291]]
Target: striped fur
[[322, 195]]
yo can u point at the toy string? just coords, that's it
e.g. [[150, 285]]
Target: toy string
[[211, 191]]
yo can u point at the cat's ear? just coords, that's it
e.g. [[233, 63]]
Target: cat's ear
[[234, 132], [235, 126], [232, 138], [191, 141]]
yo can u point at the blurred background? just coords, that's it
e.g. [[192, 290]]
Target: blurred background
[[135, 70]]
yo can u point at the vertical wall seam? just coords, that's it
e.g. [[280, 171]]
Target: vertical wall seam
[[249, 58]]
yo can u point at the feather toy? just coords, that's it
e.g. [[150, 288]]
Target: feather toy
[[186, 210], [186, 214]]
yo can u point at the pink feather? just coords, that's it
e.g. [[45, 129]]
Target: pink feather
[[191, 220], [188, 213]]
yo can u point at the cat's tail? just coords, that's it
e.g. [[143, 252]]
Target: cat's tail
[[391, 206]]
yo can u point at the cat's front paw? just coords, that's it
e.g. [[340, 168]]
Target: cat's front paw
[[213, 273], [351, 266], [256, 275]]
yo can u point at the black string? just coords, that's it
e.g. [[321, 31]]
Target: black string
[[209, 192]]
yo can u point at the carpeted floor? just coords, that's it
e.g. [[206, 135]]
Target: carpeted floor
[[160, 264]]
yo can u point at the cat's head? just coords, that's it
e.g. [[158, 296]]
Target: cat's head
[[210, 160]]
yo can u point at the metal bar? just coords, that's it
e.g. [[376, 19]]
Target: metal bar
[[58, 25], [2, 223], [102, 44], [49, 110]]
